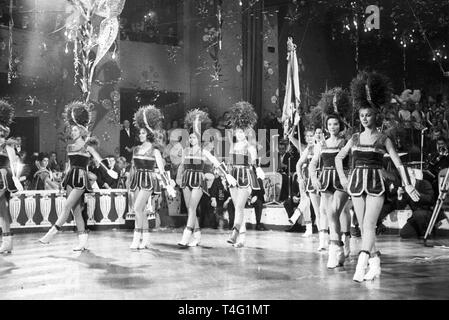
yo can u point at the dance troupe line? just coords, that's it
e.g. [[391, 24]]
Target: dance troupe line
[[325, 182]]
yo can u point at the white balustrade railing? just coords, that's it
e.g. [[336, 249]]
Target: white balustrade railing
[[40, 208]]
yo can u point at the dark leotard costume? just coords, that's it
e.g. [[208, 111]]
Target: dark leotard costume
[[77, 177], [367, 174], [242, 170], [329, 179], [145, 177], [193, 176]]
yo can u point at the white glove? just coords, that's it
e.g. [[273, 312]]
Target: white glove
[[231, 180], [260, 173], [171, 191]]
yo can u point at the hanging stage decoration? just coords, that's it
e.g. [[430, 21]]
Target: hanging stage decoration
[[80, 29], [11, 73], [291, 109]]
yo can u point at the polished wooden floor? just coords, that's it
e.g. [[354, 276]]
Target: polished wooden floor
[[273, 265]]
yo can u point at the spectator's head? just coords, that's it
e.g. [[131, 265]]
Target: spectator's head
[[53, 156], [441, 144], [309, 136], [126, 124], [174, 124], [121, 162], [437, 133], [111, 161], [282, 148], [43, 159]]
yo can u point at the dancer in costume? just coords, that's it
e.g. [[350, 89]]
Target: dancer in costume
[[243, 156], [191, 173], [77, 116], [145, 181], [8, 182], [303, 179], [333, 196], [370, 91]]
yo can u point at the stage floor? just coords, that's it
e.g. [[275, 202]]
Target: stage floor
[[273, 265]]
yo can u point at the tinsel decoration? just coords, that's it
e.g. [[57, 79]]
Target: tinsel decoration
[[148, 117], [370, 89], [242, 116], [11, 25], [76, 61]]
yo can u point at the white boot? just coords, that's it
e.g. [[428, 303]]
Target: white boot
[[185, 237], [6, 246], [309, 230], [82, 241], [323, 239], [233, 238], [49, 235], [295, 216], [373, 268], [196, 238], [145, 244], [136, 239], [241, 236], [340, 255], [332, 261], [362, 264], [347, 245]]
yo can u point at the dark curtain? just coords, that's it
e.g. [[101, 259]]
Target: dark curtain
[[252, 41]]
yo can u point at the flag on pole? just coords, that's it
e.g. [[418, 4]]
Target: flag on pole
[[292, 97]]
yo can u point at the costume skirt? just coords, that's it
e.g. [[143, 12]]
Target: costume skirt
[[368, 180], [145, 180], [194, 179], [246, 177], [330, 181], [77, 178], [6, 182]]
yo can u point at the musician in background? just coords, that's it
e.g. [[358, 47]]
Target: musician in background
[[417, 224], [439, 160]]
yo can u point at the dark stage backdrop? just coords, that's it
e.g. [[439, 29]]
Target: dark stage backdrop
[[28, 129]]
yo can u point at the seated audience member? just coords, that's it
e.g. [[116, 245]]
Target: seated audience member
[[104, 179], [439, 160], [53, 164], [220, 199], [42, 178], [257, 200], [123, 169], [417, 224]]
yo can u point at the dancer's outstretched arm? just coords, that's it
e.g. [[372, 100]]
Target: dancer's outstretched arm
[[409, 188], [166, 181], [339, 163], [313, 166]]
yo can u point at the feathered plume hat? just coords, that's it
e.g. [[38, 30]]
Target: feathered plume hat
[[371, 90], [242, 116], [78, 113], [196, 120], [149, 117], [335, 101], [6, 116]]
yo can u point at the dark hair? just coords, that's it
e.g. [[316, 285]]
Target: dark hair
[[337, 117], [42, 155], [150, 135]]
